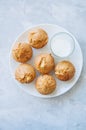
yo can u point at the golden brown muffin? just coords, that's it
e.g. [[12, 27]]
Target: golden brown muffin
[[38, 38], [64, 70], [45, 84], [25, 73], [22, 52], [44, 63]]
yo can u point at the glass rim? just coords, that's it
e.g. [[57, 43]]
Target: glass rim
[[57, 34]]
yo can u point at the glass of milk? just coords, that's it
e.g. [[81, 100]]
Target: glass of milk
[[62, 44]]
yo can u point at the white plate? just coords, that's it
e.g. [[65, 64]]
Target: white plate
[[76, 58]]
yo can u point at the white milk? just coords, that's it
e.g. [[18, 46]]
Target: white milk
[[62, 45]]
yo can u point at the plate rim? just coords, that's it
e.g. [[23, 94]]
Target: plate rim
[[49, 96]]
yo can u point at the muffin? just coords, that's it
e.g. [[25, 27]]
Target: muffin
[[64, 70], [37, 38], [45, 84], [25, 73], [44, 63], [22, 52]]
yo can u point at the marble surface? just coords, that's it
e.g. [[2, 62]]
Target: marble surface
[[18, 110]]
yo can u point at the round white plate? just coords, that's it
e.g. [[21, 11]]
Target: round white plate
[[76, 58]]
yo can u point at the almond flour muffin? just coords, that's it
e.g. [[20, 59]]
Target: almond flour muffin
[[37, 38], [64, 70], [25, 73], [22, 52], [44, 63], [45, 84]]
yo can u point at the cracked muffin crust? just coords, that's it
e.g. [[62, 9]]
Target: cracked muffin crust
[[44, 63], [64, 70], [45, 84], [22, 52], [37, 38], [25, 73]]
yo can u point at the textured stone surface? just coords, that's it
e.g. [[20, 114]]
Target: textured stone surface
[[18, 110]]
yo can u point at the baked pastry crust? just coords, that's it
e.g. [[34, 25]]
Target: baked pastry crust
[[38, 38], [25, 73], [44, 63], [22, 52], [45, 84], [64, 70]]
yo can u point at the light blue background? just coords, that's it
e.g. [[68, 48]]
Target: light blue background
[[18, 110]]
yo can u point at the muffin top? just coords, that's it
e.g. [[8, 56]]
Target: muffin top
[[64, 70], [37, 38], [45, 84], [25, 73], [22, 52], [44, 63]]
